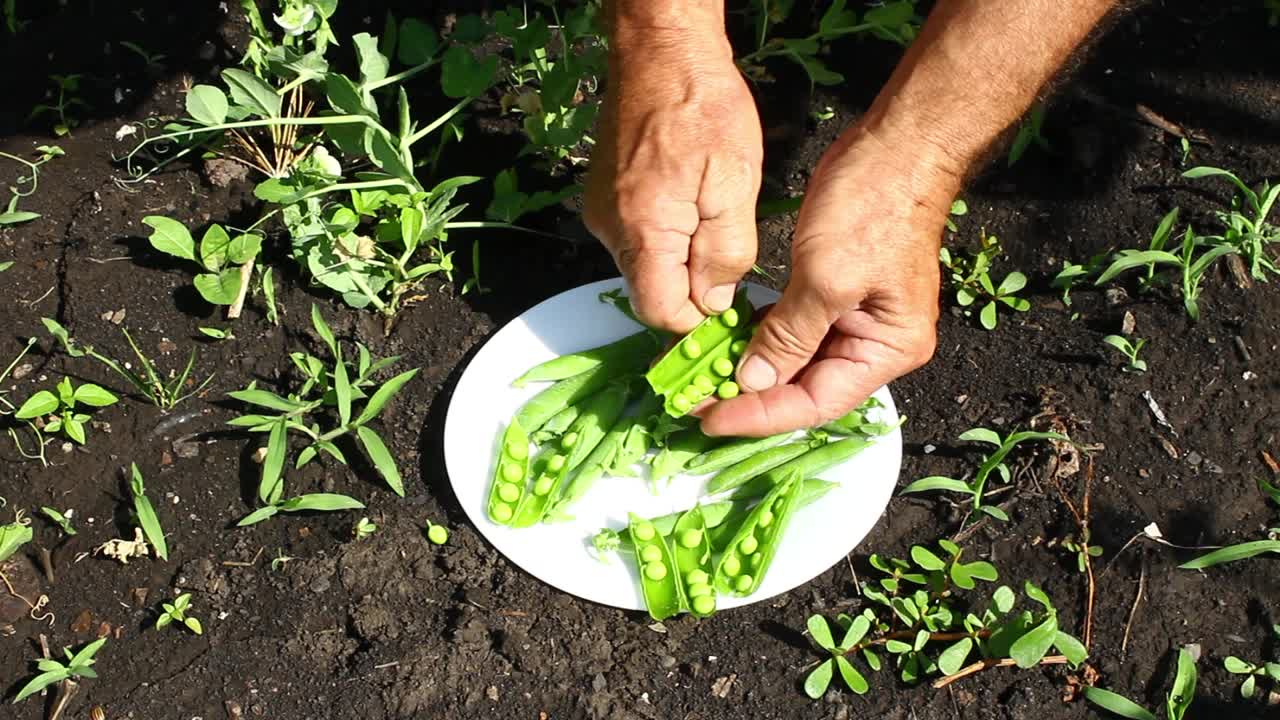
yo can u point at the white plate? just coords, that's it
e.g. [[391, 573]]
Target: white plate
[[484, 401]]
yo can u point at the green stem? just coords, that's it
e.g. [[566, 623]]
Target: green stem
[[473, 224], [438, 121], [402, 75]]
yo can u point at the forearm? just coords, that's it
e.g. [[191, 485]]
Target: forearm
[[974, 69], [639, 22]]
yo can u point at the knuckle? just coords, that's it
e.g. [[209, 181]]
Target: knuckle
[[734, 258], [783, 338]]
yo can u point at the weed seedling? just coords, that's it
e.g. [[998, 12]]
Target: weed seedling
[[147, 519], [1245, 550], [217, 333], [177, 612], [969, 275], [227, 261], [363, 529], [62, 520], [11, 214], [1176, 704], [1245, 227], [67, 86], [60, 408], [1253, 671], [976, 487], [8, 408], [823, 115], [437, 534], [1130, 351], [78, 665], [1083, 550], [959, 208], [1028, 135]]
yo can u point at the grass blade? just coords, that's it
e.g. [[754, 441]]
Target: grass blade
[[381, 458]]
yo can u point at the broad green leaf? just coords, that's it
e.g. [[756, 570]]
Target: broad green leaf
[[74, 429], [270, 484], [1237, 666], [1003, 599], [1038, 595], [322, 502], [411, 221], [13, 536], [1118, 704], [50, 666], [244, 248], [816, 684], [386, 155], [250, 91], [952, 659], [383, 395], [852, 678], [982, 570], [345, 97], [820, 631], [213, 248], [382, 459], [1012, 283], [926, 559], [183, 601], [258, 516], [936, 482], [1071, 648], [987, 317], [418, 42], [220, 288], [171, 237], [207, 105], [464, 75], [94, 396], [1233, 553], [1028, 650], [265, 399], [38, 405], [373, 64]]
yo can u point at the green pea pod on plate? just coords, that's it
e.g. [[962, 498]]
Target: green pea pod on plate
[[703, 361], [748, 555], [658, 581], [691, 550]]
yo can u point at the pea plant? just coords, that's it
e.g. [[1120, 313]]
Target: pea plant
[[969, 274], [1130, 350], [1177, 702], [227, 261], [341, 386], [916, 620], [59, 410], [77, 665], [176, 612], [977, 485], [26, 185], [1244, 225], [64, 100]]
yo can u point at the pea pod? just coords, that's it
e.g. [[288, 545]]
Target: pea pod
[[658, 579], [642, 344], [748, 555], [807, 465], [856, 422], [758, 464], [598, 413], [557, 425], [610, 456], [733, 452], [540, 408], [680, 449], [691, 551], [703, 361], [509, 476]]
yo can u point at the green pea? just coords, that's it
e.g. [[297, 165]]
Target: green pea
[[543, 485], [704, 604], [722, 366], [704, 384], [699, 590], [651, 553], [692, 349], [438, 534], [756, 561], [692, 393], [508, 492], [681, 404], [743, 583], [732, 565], [728, 389], [748, 545], [569, 440], [691, 538], [738, 347], [556, 463], [697, 577], [645, 531], [730, 317], [512, 472], [655, 571], [502, 512], [518, 450], [765, 519]]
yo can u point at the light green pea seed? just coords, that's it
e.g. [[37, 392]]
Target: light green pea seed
[[738, 347], [542, 486], [645, 532], [518, 450], [651, 553], [438, 534], [655, 571], [728, 389], [730, 317], [704, 384], [691, 538], [732, 565], [704, 604], [508, 492], [743, 583], [692, 349], [512, 472], [502, 512], [556, 463], [699, 590], [766, 519], [756, 561], [569, 440], [696, 577], [748, 545], [722, 366], [681, 403], [692, 393]]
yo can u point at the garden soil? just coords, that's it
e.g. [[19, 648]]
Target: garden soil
[[393, 627]]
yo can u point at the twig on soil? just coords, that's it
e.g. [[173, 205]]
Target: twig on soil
[[31, 303], [246, 274], [46, 564], [990, 663], [104, 261], [1179, 131], [1133, 611], [241, 563], [1081, 516], [384, 666]]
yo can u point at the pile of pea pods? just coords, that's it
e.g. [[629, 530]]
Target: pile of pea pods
[[609, 406]]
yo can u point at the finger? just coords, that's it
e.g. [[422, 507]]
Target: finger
[[723, 249], [659, 283], [786, 339]]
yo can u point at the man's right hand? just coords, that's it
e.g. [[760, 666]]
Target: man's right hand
[[675, 172]]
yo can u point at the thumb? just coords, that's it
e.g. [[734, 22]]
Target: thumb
[[786, 340]]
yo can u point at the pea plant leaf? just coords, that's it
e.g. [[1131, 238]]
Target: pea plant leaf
[[373, 64], [464, 75], [207, 105], [418, 42], [252, 93]]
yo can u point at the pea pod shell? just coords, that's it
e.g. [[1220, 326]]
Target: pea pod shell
[[557, 425], [643, 343], [606, 455], [745, 471], [688, 559], [681, 448], [662, 597], [540, 408], [807, 465], [780, 502], [733, 452], [694, 354], [513, 437]]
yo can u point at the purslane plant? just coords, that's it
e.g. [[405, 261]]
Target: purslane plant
[[915, 620], [177, 612], [340, 387], [1253, 671], [59, 408], [970, 276], [1130, 350], [1177, 702]]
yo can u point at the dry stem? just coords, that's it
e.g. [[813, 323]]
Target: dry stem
[[990, 663]]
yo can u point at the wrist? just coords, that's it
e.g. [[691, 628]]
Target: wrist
[[926, 172], [645, 24]]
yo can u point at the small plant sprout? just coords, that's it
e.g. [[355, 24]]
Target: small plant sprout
[[11, 215], [1252, 672], [969, 274], [146, 514], [976, 487], [1130, 351], [280, 560], [177, 612], [1244, 226], [62, 520], [78, 665], [959, 208], [216, 333], [67, 87], [823, 115], [1185, 144], [437, 534], [1082, 549], [1028, 135], [60, 409], [1177, 702], [363, 529]]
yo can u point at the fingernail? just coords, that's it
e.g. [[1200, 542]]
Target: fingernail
[[718, 298], [757, 374]]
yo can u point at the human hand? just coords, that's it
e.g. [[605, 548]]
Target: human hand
[[675, 173], [861, 307]]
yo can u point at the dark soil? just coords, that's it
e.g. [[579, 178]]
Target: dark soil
[[393, 627]]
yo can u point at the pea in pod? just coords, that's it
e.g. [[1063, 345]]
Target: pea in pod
[[807, 465], [557, 425], [608, 456], [540, 408], [733, 452], [620, 352], [680, 449], [691, 550], [702, 363], [509, 477], [758, 464], [658, 578], [598, 413], [748, 555]]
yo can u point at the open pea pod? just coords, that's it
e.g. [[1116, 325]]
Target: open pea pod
[[680, 449], [748, 555], [691, 549], [658, 579], [703, 361], [509, 477]]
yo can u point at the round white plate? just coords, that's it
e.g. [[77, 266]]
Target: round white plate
[[484, 401]]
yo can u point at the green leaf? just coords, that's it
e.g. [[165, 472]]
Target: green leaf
[[936, 482], [17, 216], [381, 458], [38, 405], [820, 631], [342, 390], [1247, 687], [988, 316], [982, 435], [345, 97], [207, 105], [322, 329], [13, 536], [219, 289], [858, 629], [251, 92], [85, 656], [213, 248], [1012, 283], [952, 659], [270, 484], [1237, 666], [74, 429], [171, 237], [1071, 648], [1003, 599], [244, 248], [258, 516], [321, 502], [852, 678], [1130, 259], [1028, 650], [463, 75], [94, 396], [1184, 686], [926, 559], [897, 647], [147, 517], [418, 42], [982, 570], [266, 399], [816, 684], [383, 395], [1271, 491], [39, 683], [386, 155], [1118, 704], [373, 64], [1233, 553], [193, 625]]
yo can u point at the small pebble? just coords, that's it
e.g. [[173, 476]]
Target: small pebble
[[667, 662], [928, 449]]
